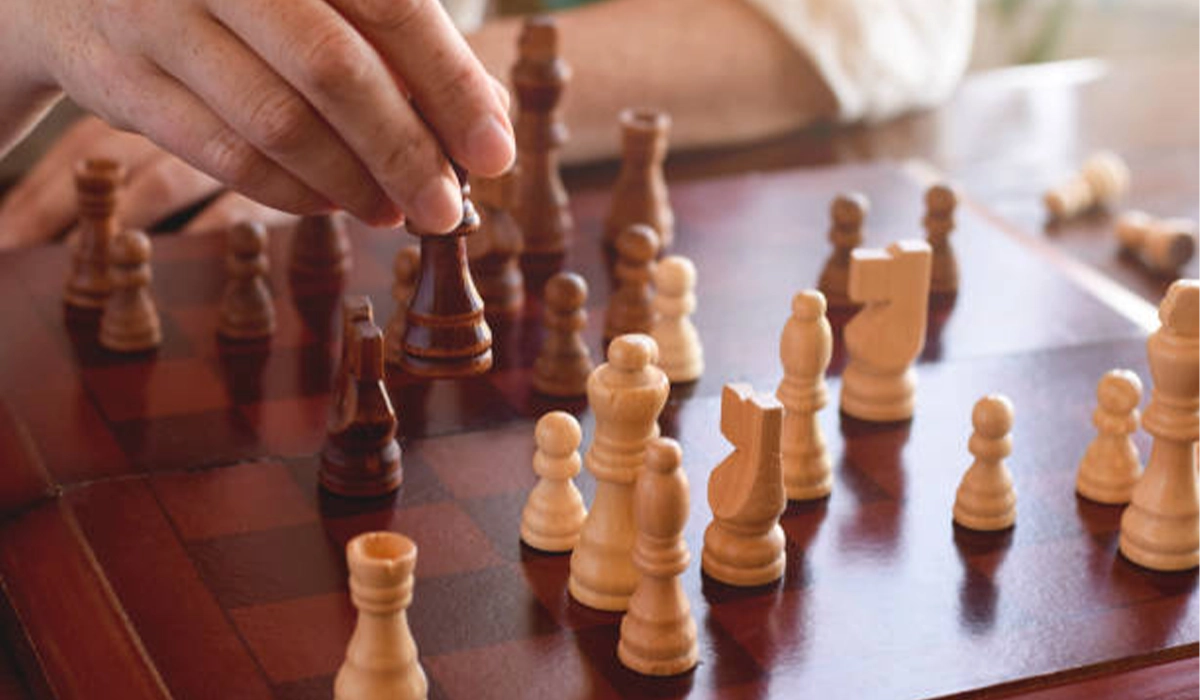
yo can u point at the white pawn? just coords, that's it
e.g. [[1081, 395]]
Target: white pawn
[[986, 499], [381, 659], [554, 512], [680, 354], [1111, 466], [805, 349], [658, 633]]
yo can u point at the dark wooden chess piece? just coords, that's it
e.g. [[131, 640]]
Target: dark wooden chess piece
[[361, 458], [130, 322], [320, 253], [446, 335], [630, 308], [564, 363], [848, 212], [640, 193], [356, 309], [540, 204], [247, 310], [940, 203], [494, 252], [96, 185], [405, 270]]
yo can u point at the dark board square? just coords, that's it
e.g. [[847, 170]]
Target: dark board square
[[173, 442], [156, 389], [302, 638]]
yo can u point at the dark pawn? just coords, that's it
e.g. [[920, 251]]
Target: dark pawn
[[361, 458], [130, 322], [495, 251], [247, 311], [564, 364], [320, 252], [405, 270], [96, 185], [848, 212], [940, 203], [630, 308]]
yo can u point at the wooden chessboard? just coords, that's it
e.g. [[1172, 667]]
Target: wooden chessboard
[[182, 548]]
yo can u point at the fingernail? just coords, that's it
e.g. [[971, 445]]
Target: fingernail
[[438, 206], [490, 146]]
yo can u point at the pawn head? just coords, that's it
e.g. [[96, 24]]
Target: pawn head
[[247, 238], [941, 198], [675, 276], [808, 305], [557, 434], [993, 416], [632, 352], [849, 209], [663, 455], [566, 291], [638, 244], [1119, 391], [132, 247]]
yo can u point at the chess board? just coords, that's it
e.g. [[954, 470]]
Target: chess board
[[180, 547]]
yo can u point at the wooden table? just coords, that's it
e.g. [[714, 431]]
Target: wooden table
[[176, 544]]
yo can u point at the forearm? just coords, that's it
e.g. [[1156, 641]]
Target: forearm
[[723, 72]]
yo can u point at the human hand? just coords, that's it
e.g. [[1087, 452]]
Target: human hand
[[301, 104]]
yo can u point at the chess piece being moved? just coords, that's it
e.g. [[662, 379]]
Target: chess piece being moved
[[495, 250], [631, 305], [885, 337], [640, 193], [626, 394], [658, 633], [381, 659], [540, 204], [1160, 529], [848, 212], [1110, 468], [680, 353], [986, 499], [554, 511], [96, 184], [361, 458], [320, 251], [247, 312], [1103, 180], [406, 267], [1162, 245], [130, 322], [744, 543], [564, 363], [446, 336], [805, 350], [940, 202]]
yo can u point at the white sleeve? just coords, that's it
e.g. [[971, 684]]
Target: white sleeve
[[880, 57]]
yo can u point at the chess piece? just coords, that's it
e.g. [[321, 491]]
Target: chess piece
[[381, 659], [130, 322], [1111, 466], [1103, 180], [626, 394], [885, 337], [320, 251], [247, 312], [446, 336], [554, 511], [1160, 529], [355, 309], [986, 499], [564, 362], [805, 350], [744, 543], [940, 202], [361, 458], [1162, 245], [495, 250], [658, 633], [680, 354], [631, 305], [640, 193], [405, 269], [848, 212], [540, 200], [96, 185]]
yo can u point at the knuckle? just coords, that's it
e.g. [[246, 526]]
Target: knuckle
[[336, 63], [231, 159], [280, 123], [388, 15]]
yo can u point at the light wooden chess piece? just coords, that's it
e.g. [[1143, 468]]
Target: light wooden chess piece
[[626, 394], [97, 182], [640, 193], [744, 543], [1103, 180], [564, 363], [494, 252], [247, 311], [130, 322], [406, 267], [847, 212], [381, 659], [940, 203], [680, 353], [884, 338], [554, 511], [1162, 245], [631, 305], [1160, 529], [986, 499], [658, 633], [1110, 468], [805, 350]]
